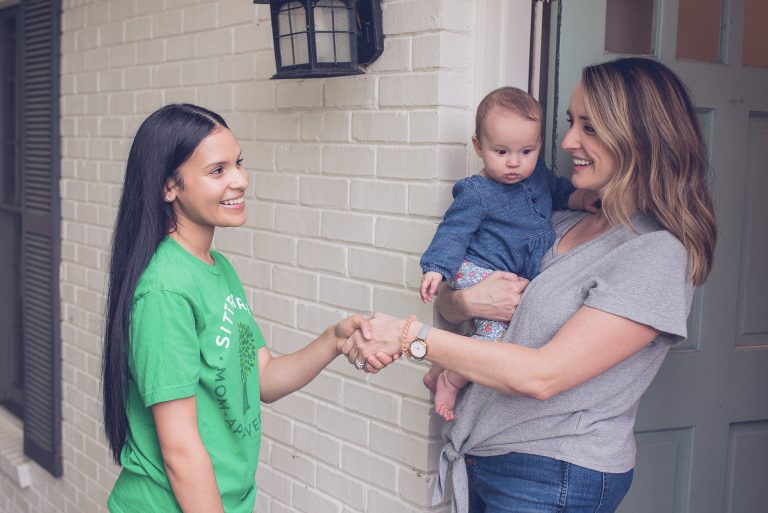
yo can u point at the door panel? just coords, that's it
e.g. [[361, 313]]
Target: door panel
[[702, 428], [746, 458], [669, 452], [753, 284]]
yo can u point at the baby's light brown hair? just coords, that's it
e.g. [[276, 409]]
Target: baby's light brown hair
[[511, 99]]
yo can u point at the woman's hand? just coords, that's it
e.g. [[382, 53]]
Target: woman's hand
[[357, 328], [495, 298], [383, 345]]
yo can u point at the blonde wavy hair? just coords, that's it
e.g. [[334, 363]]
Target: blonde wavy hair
[[644, 115]]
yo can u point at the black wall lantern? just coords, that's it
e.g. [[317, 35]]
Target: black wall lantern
[[324, 38]]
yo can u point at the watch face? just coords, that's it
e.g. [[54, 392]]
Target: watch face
[[418, 348]]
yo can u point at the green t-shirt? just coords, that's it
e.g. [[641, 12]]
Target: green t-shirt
[[192, 334]]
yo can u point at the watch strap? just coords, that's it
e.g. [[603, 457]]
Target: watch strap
[[423, 331]]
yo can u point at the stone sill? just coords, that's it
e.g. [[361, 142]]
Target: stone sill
[[13, 463]]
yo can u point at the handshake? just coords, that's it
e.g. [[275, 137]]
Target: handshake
[[370, 343]]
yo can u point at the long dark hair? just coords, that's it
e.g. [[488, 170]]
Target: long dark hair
[[164, 141]]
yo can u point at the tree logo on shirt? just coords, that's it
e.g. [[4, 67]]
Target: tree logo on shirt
[[247, 359]]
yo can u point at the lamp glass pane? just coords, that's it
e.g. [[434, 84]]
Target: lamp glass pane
[[755, 48], [323, 17], [699, 30], [344, 47], [332, 31], [291, 18], [332, 15], [286, 51], [283, 21], [298, 17], [629, 26], [301, 48], [324, 45]]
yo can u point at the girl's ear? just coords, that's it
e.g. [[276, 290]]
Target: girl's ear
[[169, 190]]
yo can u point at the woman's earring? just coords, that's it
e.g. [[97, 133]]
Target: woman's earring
[[168, 198]]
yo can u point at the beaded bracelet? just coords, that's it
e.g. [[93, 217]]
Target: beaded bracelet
[[404, 342]]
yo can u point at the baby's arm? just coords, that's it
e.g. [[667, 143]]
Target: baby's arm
[[462, 219], [583, 199], [429, 284]]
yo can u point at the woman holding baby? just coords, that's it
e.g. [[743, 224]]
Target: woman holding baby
[[547, 422]]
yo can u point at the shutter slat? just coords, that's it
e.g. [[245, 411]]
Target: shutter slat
[[39, 179], [41, 32]]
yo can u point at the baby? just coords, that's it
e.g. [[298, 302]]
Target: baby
[[499, 218]]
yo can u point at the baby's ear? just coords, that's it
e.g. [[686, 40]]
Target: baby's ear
[[476, 144]]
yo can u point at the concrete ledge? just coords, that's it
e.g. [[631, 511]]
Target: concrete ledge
[[13, 463]]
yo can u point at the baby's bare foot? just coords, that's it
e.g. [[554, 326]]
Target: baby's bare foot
[[430, 379], [445, 397], [445, 413]]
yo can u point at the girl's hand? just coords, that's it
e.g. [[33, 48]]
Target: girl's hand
[[354, 331], [385, 339], [353, 348], [378, 361], [344, 329]]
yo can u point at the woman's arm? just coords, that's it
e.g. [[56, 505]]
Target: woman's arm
[[494, 298], [281, 375], [589, 343], [187, 462]]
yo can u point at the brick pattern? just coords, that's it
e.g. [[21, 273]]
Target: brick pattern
[[349, 177]]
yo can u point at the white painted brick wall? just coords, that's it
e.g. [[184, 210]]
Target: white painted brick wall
[[352, 160], [349, 178]]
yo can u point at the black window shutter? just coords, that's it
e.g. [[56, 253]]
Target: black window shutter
[[40, 157]]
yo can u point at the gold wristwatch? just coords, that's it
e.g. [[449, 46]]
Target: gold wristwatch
[[417, 349]]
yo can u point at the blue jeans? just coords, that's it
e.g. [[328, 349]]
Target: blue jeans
[[523, 483]]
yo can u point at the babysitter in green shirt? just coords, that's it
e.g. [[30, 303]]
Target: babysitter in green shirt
[[185, 365]]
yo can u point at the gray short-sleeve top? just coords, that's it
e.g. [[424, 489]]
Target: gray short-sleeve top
[[639, 274]]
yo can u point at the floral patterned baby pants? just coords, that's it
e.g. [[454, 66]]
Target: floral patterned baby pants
[[470, 274]]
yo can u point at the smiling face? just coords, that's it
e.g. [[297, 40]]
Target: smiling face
[[509, 146], [213, 187], [593, 164]]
